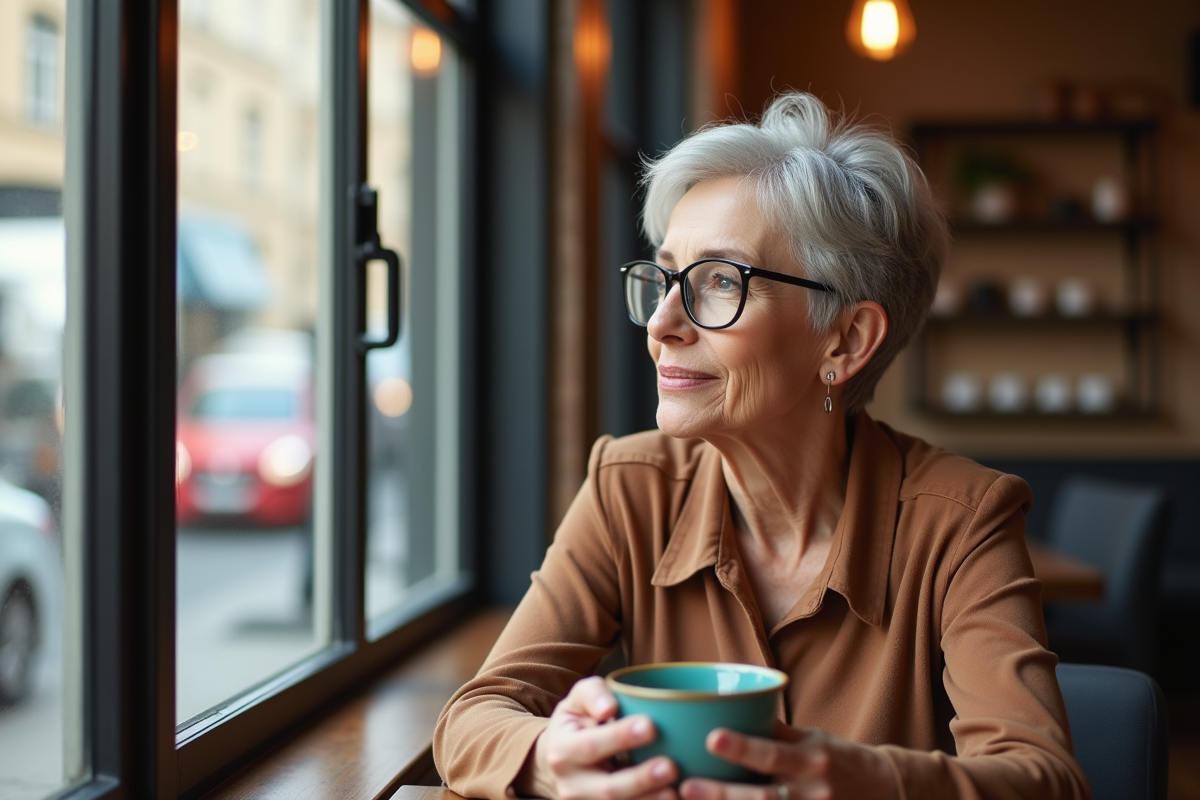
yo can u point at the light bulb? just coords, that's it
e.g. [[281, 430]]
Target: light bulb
[[880, 29], [880, 25]]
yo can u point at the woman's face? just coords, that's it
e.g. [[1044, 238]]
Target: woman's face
[[764, 371]]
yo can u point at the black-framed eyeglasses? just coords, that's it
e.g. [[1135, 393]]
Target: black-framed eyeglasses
[[714, 289]]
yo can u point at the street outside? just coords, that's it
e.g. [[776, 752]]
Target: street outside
[[241, 620]]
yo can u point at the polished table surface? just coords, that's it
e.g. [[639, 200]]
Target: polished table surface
[[1063, 577], [425, 793]]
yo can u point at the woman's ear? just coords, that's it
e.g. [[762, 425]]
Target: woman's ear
[[858, 334]]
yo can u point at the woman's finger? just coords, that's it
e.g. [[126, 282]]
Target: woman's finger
[[765, 756], [588, 746], [591, 696], [651, 780]]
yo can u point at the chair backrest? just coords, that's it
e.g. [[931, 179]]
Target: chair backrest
[[1119, 727], [1120, 528]]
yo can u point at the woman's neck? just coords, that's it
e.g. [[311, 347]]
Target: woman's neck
[[788, 486]]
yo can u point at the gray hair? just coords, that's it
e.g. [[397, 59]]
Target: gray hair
[[856, 209]]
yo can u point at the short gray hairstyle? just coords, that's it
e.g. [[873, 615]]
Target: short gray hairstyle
[[856, 210]]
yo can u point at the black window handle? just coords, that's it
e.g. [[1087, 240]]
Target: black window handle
[[369, 249]]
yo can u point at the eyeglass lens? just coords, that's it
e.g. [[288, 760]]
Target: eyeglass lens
[[712, 292]]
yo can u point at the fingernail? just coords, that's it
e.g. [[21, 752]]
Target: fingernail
[[664, 794], [641, 727], [661, 770]]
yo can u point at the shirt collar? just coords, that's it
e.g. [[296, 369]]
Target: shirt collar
[[861, 552]]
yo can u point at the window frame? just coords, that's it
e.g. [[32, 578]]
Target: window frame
[[120, 365]]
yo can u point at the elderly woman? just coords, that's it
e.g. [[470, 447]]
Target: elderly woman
[[771, 521]]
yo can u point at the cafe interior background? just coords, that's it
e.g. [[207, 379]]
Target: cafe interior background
[[1063, 139]]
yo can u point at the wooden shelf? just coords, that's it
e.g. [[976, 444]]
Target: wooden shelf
[[1121, 414], [1035, 226], [1012, 320], [962, 128], [1073, 239]]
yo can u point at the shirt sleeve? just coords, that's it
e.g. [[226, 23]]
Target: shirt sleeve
[[1010, 725], [568, 620]]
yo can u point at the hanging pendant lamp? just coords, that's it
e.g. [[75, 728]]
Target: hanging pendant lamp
[[880, 29]]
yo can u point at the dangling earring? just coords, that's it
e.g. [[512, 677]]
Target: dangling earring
[[829, 376]]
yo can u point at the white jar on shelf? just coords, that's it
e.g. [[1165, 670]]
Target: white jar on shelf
[[1053, 394], [1096, 393], [1027, 297], [1110, 201], [1008, 393], [1074, 297], [962, 392]]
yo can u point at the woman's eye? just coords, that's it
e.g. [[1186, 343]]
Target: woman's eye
[[724, 282]]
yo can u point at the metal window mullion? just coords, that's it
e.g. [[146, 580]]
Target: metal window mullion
[[119, 393], [344, 426]]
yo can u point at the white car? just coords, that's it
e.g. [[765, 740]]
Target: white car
[[30, 571]]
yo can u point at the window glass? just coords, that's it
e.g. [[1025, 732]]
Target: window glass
[[416, 90], [33, 650], [249, 96]]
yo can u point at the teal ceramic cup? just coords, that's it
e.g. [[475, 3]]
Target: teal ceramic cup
[[687, 700]]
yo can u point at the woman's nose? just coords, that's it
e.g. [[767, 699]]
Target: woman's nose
[[670, 319]]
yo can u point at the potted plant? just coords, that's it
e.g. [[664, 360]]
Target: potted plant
[[992, 181]]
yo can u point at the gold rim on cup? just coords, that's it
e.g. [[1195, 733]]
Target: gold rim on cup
[[656, 693]]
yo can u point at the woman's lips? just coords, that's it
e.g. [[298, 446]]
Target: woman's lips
[[679, 378]]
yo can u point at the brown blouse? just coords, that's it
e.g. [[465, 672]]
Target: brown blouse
[[923, 634]]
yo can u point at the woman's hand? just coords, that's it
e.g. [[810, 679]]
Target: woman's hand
[[574, 757], [803, 764]]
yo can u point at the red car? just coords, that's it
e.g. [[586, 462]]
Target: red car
[[246, 440]]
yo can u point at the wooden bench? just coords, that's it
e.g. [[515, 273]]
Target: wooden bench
[[378, 741]]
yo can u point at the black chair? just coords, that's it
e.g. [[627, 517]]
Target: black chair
[[1119, 727], [1119, 528]]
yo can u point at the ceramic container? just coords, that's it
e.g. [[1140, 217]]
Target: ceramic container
[[1027, 297], [994, 203], [687, 700], [948, 300], [962, 392], [1074, 298], [1053, 394], [1008, 393], [1110, 201], [1096, 393]]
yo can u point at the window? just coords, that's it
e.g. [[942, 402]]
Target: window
[[42, 76], [217, 458], [401, 408]]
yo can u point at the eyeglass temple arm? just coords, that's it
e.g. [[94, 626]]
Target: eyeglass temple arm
[[792, 279]]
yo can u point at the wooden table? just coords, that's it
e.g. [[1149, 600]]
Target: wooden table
[[1063, 577], [372, 744], [426, 793]]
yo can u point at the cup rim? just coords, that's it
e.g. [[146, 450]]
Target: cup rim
[[654, 693]]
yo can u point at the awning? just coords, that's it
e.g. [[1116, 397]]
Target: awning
[[219, 266]]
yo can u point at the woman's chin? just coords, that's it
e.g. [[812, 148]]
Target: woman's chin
[[680, 425]]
